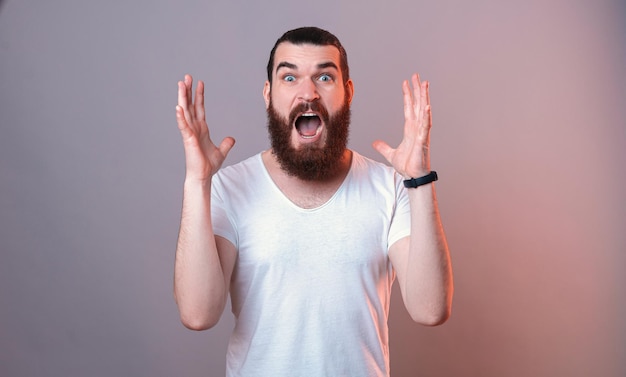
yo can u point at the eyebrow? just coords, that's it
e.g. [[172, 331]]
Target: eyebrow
[[286, 65], [293, 66], [327, 65]]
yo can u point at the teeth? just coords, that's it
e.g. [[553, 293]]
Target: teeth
[[308, 115]]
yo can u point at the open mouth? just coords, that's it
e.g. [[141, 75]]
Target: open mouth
[[308, 125]]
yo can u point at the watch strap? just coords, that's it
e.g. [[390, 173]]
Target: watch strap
[[416, 182]]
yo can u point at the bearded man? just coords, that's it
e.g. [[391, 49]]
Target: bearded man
[[308, 236]]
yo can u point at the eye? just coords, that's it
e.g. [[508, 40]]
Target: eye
[[289, 78], [325, 77]]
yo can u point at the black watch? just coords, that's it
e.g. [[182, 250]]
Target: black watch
[[416, 182]]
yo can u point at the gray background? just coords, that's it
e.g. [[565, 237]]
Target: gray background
[[528, 138]]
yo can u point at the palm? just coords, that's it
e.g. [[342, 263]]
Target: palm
[[203, 158], [412, 158]]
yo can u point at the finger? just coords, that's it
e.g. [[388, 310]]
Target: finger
[[199, 105], [183, 100], [182, 95], [426, 115], [384, 149], [425, 99], [183, 126], [409, 112], [226, 145], [188, 86], [423, 95], [189, 92], [417, 93]]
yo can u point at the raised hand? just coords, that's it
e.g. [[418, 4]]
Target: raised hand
[[202, 157], [411, 158]]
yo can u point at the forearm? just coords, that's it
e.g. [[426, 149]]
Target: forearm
[[199, 284], [428, 276]]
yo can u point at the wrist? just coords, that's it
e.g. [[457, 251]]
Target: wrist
[[197, 182], [422, 180]]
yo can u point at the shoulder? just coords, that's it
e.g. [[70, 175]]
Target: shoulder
[[379, 177], [243, 170], [239, 178], [371, 168]]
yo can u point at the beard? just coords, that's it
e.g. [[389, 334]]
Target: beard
[[310, 162]]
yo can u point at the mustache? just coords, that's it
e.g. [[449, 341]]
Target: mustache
[[315, 106]]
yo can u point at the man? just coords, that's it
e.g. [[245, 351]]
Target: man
[[308, 236]]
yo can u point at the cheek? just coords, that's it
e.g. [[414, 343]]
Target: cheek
[[281, 104], [336, 99], [335, 105]]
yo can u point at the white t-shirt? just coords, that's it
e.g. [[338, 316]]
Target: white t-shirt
[[311, 287]]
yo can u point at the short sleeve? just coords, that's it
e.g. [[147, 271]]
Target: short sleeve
[[401, 220], [223, 225]]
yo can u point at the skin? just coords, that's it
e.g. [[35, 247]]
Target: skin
[[422, 262], [204, 263], [303, 73]]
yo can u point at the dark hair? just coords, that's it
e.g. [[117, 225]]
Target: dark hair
[[315, 36]]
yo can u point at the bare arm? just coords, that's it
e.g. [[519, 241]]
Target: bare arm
[[422, 261], [204, 263]]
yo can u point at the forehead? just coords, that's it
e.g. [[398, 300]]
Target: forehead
[[305, 55]]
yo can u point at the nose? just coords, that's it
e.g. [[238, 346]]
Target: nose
[[308, 91]]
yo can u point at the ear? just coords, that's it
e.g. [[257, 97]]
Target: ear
[[349, 90], [266, 94]]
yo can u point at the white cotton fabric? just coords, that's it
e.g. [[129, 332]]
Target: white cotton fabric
[[311, 287]]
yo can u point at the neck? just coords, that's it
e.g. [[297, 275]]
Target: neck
[[339, 173], [307, 193]]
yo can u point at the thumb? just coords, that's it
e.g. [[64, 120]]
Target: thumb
[[384, 149], [226, 145]]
